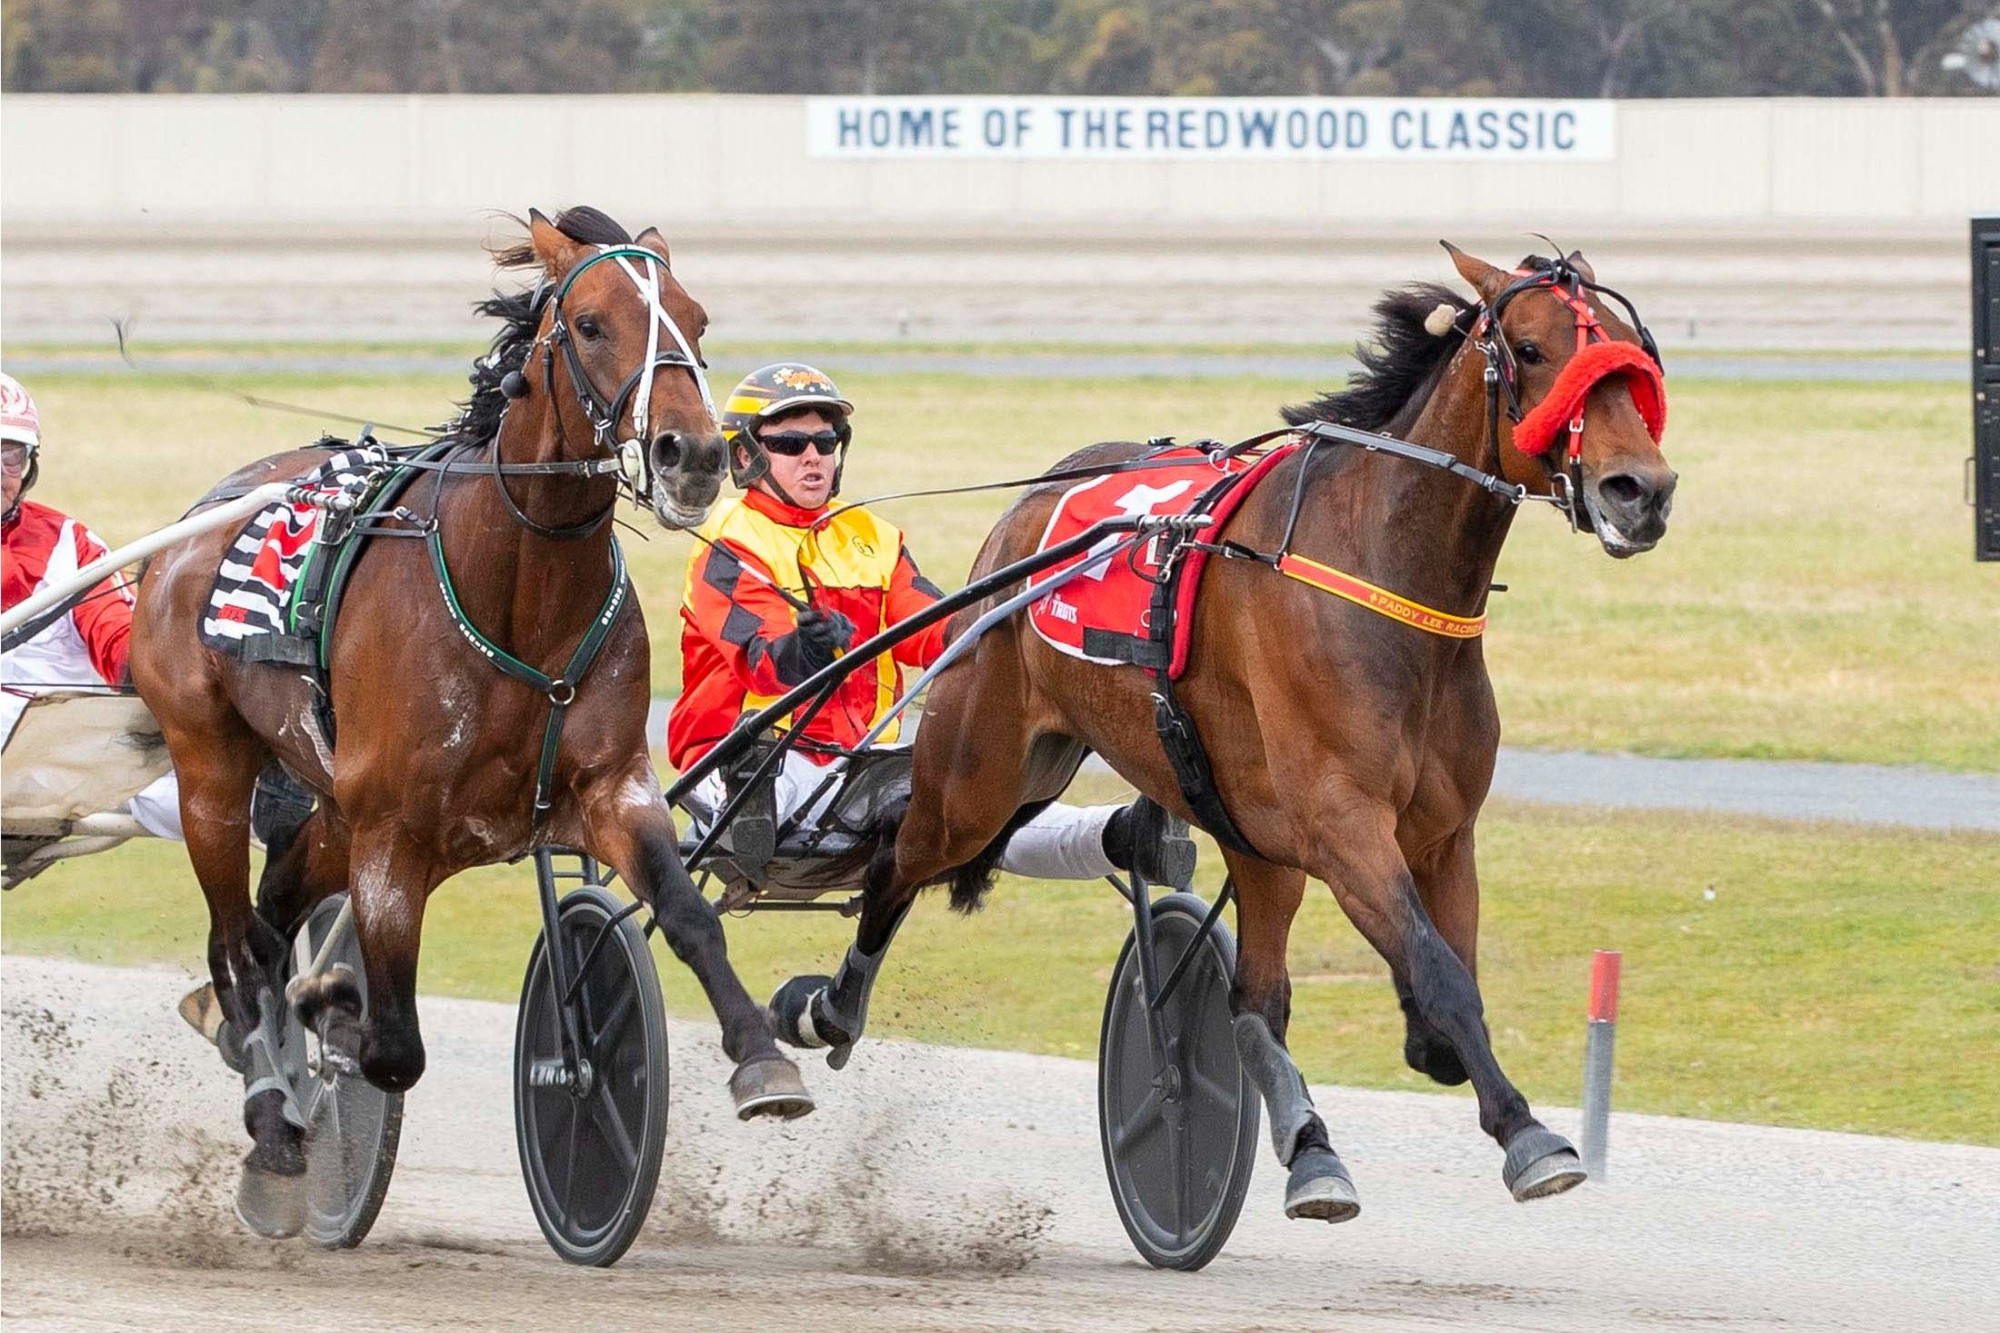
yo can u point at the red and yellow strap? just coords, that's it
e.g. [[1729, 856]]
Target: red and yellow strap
[[1380, 600]]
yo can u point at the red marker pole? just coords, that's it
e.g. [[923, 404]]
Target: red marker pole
[[1597, 1051]]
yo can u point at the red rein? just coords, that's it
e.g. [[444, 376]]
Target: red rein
[[1599, 361]]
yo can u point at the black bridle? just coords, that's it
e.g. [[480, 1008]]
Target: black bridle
[[1568, 284], [629, 459]]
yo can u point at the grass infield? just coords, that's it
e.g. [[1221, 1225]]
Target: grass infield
[[1838, 978], [1815, 598]]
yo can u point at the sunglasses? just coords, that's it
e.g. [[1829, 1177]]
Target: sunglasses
[[792, 443], [14, 458]]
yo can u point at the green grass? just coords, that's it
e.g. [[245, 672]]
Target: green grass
[[1839, 978], [1815, 599]]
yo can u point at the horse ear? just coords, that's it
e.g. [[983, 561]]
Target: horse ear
[[1581, 265], [1485, 279], [652, 240], [557, 252]]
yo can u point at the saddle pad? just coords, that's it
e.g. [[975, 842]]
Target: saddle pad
[[259, 574], [1105, 614]]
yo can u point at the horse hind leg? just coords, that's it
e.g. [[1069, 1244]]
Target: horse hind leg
[[306, 863], [217, 769], [975, 764], [1317, 1186], [628, 826]]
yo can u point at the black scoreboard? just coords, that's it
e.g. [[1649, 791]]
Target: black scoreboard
[[1985, 480]]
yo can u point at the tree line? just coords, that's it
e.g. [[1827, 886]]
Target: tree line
[[1527, 48]]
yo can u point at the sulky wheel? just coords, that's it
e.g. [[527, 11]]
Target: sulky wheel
[[591, 1144], [352, 1126], [1179, 1124]]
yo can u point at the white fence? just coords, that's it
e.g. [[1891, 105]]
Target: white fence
[[133, 165]]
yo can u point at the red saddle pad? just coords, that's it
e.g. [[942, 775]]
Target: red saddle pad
[[1104, 614]]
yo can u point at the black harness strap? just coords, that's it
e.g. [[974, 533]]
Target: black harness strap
[[1193, 773]]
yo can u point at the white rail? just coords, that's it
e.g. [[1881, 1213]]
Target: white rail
[[192, 526]]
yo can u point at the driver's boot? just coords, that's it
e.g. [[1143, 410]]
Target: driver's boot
[[1148, 840]]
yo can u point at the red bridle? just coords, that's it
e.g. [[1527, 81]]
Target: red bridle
[[1597, 358]]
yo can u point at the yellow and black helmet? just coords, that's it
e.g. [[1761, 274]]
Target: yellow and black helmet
[[773, 390]]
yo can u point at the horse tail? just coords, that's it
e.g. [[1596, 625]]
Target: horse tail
[[970, 882]]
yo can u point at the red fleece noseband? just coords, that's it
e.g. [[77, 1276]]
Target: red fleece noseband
[[1535, 432]]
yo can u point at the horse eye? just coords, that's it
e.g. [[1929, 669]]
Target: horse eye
[[1529, 354], [588, 327]]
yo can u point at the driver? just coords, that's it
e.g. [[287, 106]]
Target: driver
[[88, 645], [846, 575]]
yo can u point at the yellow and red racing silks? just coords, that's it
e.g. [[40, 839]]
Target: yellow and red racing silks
[[740, 645]]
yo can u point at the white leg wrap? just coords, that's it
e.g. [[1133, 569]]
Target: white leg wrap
[[1062, 842]]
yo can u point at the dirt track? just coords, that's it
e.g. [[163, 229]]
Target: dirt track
[[935, 1189]]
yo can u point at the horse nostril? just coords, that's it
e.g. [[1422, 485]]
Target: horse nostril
[[1624, 490], [666, 451]]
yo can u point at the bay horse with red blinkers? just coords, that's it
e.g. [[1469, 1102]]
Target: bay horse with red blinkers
[[1349, 746], [439, 762]]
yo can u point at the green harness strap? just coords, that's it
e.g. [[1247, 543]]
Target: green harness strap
[[350, 548], [561, 690]]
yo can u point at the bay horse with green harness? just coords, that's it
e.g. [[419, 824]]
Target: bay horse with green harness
[[1349, 738], [437, 760]]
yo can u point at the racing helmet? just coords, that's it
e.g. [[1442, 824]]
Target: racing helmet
[[771, 391], [21, 424]]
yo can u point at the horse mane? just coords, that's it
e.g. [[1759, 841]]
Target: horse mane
[[520, 315], [1399, 364]]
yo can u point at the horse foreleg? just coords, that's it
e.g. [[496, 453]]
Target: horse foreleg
[[1354, 850], [1267, 898], [628, 826], [1448, 887], [391, 880]]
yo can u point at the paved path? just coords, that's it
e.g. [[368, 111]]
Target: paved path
[[936, 1189], [1849, 793]]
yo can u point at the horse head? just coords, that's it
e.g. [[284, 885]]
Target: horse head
[[624, 333], [1576, 396]]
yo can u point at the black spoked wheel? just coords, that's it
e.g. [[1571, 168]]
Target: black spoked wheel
[[352, 1126], [1176, 1114], [591, 1146]]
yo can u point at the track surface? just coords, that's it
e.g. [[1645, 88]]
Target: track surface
[[935, 1189]]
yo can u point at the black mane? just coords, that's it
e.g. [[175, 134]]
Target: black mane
[[1403, 359], [520, 315]]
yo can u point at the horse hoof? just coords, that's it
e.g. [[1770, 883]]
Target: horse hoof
[[336, 990], [271, 1205], [203, 1012], [791, 1011], [1320, 1189], [770, 1087], [1540, 1163]]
